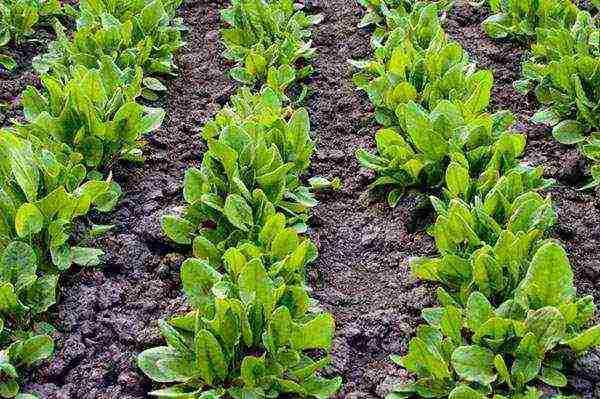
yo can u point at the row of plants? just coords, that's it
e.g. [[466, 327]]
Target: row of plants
[[18, 20], [562, 69], [509, 321], [252, 330], [55, 166]]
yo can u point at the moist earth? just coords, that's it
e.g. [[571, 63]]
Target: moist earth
[[105, 316]]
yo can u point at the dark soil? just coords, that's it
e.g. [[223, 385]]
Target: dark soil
[[13, 83], [362, 274], [107, 316]]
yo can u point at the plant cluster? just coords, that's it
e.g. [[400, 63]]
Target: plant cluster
[[136, 34], [564, 73], [252, 330], [52, 166], [563, 69], [388, 14], [266, 40], [509, 317], [432, 101], [519, 19], [18, 19]]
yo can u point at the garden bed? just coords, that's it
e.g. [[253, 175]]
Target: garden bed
[[106, 316]]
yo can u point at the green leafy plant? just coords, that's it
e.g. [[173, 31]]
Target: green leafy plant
[[25, 352], [564, 71], [250, 326], [94, 112], [134, 34], [18, 19], [257, 150], [389, 14], [432, 140], [519, 19], [485, 243], [418, 63], [40, 197], [266, 40], [476, 350]]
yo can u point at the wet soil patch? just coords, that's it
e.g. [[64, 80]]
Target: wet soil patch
[[106, 316]]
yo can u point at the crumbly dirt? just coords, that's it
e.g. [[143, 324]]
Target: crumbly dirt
[[106, 316], [362, 273]]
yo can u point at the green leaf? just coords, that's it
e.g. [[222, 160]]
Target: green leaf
[[84, 256], [203, 248], [587, 339], [424, 359], [174, 339], [569, 132], [7, 62], [451, 324], [479, 310], [164, 364], [152, 15], [209, 357], [255, 285], [315, 334], [238, 212], [495, 27], [502, 369], [457, 179], [28, 220], [32, 350], [18, 264], [192, 185], [152, 120], [474, 363], [253, 370], [198, 277], [546, 117], [548, 325], [465, 392], [154, 84], [177, 229], [22, 166], [549, 278], [553, 377], [528, 359], [181, 393]]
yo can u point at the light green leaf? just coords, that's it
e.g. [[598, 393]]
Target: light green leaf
[[474, 363]]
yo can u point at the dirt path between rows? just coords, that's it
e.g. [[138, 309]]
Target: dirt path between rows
[[105, 317], [362, 274]]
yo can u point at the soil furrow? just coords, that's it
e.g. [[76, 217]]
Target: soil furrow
[[105, 317], [362, 274]]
